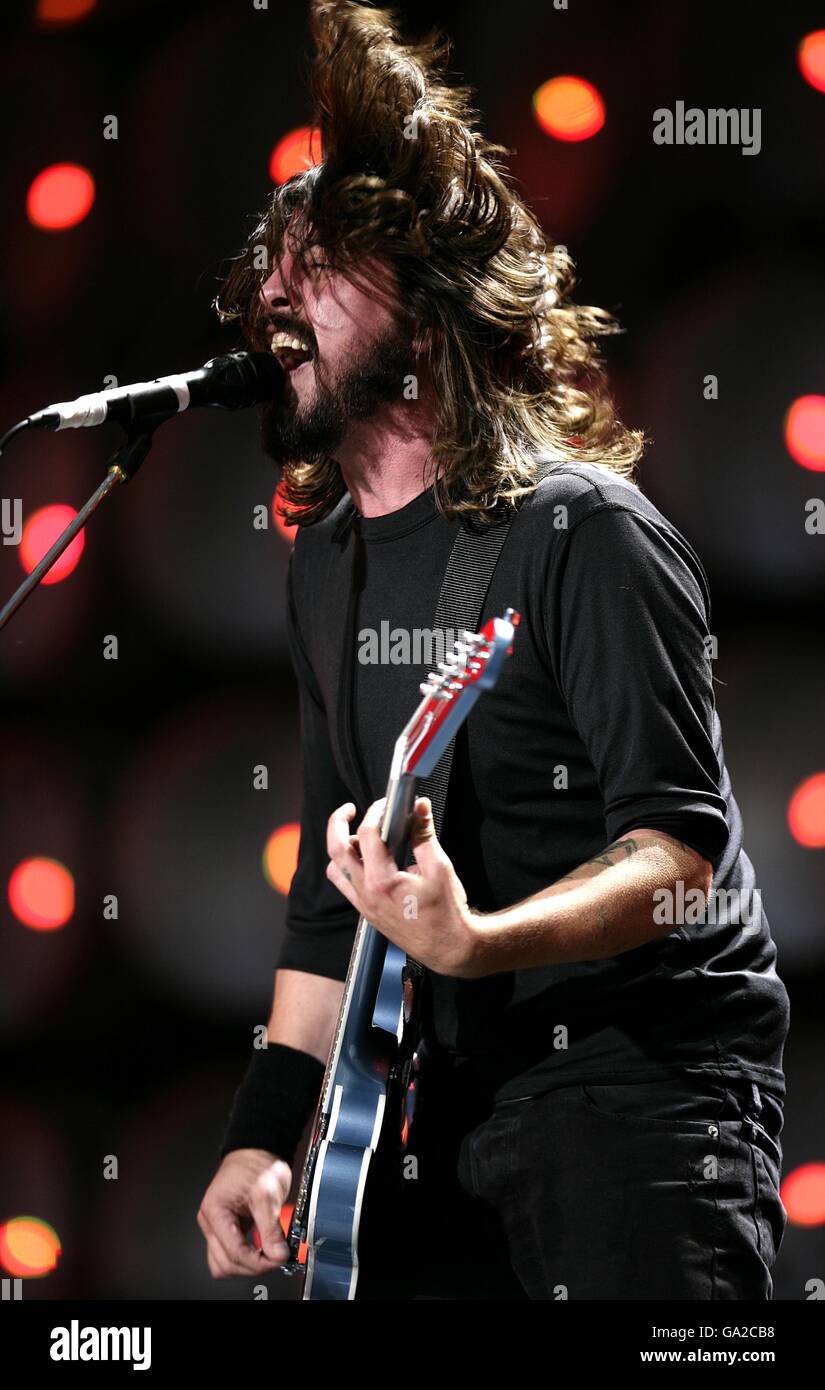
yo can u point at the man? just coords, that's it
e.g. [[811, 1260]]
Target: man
[[601, 1076]]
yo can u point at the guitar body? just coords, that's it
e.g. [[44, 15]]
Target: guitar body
[[362, 1096], [366, 1096]]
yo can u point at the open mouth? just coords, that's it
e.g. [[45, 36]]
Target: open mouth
[[292, 352]]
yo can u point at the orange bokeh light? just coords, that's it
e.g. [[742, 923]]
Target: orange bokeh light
[[281, 856], [569, 108], [803, 1195], [41, 894], [806, 812], [29, 1247], [805, 432], [60, 197], [40, 533], [298, 150], [811, 58]]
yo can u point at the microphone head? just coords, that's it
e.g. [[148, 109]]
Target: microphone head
[[237, 380]]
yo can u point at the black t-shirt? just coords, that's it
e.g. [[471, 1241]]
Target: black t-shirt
[[602, 721]]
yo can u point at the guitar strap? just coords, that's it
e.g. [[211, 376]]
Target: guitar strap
[[464, 590]]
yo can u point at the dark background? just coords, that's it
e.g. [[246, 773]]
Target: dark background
[[127, 1037]]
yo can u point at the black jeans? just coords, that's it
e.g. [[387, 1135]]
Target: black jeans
[[634, 1190]]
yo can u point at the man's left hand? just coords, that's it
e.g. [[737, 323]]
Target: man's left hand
[[424, 913]]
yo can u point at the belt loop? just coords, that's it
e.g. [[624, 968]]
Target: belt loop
[[757, 1099]]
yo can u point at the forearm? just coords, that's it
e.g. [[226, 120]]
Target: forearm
[[282, 1081], [304, 1011], [601, 909]]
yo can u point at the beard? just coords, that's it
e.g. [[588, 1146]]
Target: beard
[[295, 434]]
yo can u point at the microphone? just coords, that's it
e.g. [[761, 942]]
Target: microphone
[[232, 381]]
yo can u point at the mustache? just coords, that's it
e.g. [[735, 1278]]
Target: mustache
[[282, 323]]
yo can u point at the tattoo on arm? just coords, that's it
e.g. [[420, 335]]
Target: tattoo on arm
[[620, 849], [614, 854]]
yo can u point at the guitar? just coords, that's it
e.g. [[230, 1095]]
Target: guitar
[[366, 1088]]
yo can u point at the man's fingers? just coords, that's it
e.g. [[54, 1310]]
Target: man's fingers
[[228, 1248], [265, 1201], [371, 824], [338, 831], [342, 846], [422, 828], [379, 865], [266, 1209], [426, 849], [343, 882]]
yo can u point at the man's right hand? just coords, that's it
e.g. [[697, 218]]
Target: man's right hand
[[249, 1189]]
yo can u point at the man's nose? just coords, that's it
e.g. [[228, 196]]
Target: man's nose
[[272, 293]]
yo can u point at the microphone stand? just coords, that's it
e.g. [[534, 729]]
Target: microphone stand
[[122, 468]]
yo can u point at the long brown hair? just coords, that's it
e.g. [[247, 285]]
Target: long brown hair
[[406, 175]]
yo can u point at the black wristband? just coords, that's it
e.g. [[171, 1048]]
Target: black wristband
[[274, 1101]]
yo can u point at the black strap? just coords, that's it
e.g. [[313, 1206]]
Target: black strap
[[464, 590]]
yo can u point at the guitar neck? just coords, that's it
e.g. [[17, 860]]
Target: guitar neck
[[395, 834]]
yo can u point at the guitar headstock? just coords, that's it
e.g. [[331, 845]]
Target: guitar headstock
[[449, 693]]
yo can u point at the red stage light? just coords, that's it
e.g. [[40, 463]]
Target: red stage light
[[280, 857], [806, 812], [805, 432], [60, 197], [811, 58], [29, 1247], [803, 1195], [40, 533], [297, 151], [63, 11], [569, 108], [41, 894]]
